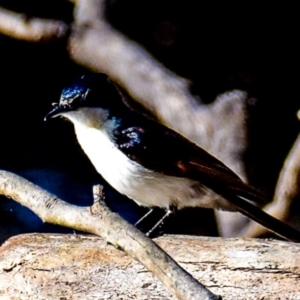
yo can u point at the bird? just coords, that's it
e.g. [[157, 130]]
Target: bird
[[149, 162]]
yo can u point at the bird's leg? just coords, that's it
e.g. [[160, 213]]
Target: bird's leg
[[144, 217], [168, 212]]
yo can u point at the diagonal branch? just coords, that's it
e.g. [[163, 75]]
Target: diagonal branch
[[109, 226]]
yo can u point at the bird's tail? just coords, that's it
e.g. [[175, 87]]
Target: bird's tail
[[255, 213]]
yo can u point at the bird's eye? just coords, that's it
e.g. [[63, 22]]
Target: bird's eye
[[70, 101], [64, 101]]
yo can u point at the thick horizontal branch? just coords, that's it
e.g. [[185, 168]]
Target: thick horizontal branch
[[48, 266], [109, 226], [19, 26]]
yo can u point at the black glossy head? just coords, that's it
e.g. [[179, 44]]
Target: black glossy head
[[88, 91]]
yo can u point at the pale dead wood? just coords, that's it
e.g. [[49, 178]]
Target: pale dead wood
[[19, 26], [40, 266], [109, 226]]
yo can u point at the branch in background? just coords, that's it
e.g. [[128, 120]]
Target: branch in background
[[18, 26], [287, 190], [98, 46], [109, 226]]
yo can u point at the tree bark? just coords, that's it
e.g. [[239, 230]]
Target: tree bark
[[52, 266]]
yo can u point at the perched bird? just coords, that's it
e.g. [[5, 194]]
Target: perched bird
[[150, 163]]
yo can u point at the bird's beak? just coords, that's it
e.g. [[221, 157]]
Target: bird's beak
[[56, 111]]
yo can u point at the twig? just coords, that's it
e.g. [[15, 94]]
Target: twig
[[19, 26], [109, 226]]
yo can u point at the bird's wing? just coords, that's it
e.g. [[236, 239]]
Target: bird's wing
[[161, 149]]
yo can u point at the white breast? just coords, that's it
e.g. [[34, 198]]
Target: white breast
[[144, 186]]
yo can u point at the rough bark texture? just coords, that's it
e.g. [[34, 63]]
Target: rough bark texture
[[51, 266]]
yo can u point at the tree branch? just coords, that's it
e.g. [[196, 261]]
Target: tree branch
[[53, 266], [109, 226], [19, 26]]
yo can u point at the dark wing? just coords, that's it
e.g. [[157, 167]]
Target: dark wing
[[161, 149]]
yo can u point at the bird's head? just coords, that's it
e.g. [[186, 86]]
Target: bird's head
[[88, 99]]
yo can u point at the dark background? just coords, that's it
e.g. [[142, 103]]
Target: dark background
[[218, 48]]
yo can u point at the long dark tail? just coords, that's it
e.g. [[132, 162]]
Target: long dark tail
[[255, 213]]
